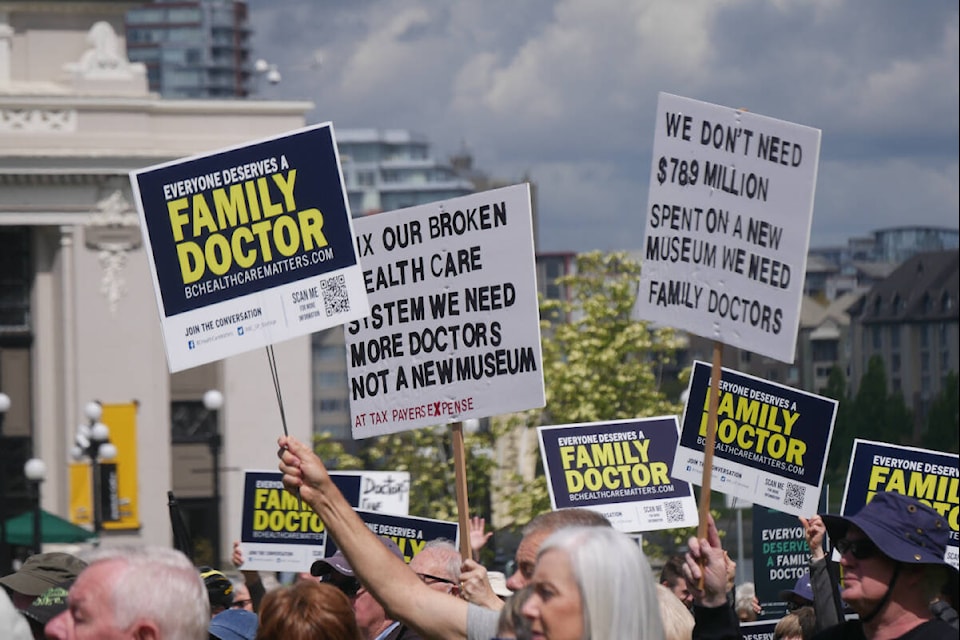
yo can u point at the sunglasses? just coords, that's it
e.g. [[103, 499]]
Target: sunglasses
[[426, 578], [349, 586], [860, 549]]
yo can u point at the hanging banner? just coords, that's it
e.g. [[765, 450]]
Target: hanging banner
[[620, 469], [728, 225], [119, 502], [771, 445], [249, 246], [930, 476]]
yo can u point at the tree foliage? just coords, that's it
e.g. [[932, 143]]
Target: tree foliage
[[599, 362], [943, 426]]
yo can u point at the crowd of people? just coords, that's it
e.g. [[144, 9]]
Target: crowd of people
[[576, 578]]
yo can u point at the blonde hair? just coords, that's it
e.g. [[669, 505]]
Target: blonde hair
[[677, 619]]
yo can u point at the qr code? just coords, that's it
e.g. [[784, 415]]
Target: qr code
[[674, 509], [795, 495], [335, 296]]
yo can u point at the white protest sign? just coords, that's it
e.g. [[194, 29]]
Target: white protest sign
[[728, 225], [454, 325]]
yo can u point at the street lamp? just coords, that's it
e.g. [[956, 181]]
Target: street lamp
[[212, 402], [35, 470], [93, 442], [4, 555]]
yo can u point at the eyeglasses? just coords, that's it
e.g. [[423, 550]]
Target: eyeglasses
[[426, 578], [860, 549], [240, 604], [349, 586]]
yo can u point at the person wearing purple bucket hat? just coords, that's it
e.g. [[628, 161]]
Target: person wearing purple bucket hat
[[801, 595], [892, 555]]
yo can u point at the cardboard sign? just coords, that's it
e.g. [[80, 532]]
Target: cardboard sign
[[771, 442], [930, 476], [249, 246], [278, 532], [454, 325], [728, 225], [620, 469], [411, 534]]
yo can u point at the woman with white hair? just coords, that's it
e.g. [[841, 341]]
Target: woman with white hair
[[592, 583]]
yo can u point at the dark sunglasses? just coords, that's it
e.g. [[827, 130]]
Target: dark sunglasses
[[860, 549], [426, 578], [349, 586]]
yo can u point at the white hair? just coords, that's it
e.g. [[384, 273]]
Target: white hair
[[443, 552], [160, 585], [616, 584]]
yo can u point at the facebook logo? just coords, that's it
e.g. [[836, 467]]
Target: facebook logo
[[191, 344]]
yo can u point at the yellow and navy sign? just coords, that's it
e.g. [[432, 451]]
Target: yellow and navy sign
[[410, 533], [771, 440], [929, 476], [622, 469], [244, 220], [273, 515]]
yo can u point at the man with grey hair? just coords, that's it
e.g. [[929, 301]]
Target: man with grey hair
[[438, 566], [110, 598]]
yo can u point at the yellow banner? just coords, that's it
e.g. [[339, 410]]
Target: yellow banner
[[122, 421]]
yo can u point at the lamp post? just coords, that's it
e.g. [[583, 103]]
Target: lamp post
[[93, 442], [36, 472], [4, 548], [212, 402]]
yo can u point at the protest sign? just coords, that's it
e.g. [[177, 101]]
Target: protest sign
[[382, 491], [279, 532], [728, 225], [411, 534], [929, 476], [758, 630], [249, 246], [780, 557], [454, 326], [620, 469], [771, 440]]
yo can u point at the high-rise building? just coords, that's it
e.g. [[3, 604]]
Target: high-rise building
[[192, 49]]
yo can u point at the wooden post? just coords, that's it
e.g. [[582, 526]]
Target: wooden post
[[463, 506], [711, 439]]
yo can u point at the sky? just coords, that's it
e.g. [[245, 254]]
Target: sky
[[565, 92]]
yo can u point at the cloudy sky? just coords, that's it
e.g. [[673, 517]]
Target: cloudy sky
[[565, 91]]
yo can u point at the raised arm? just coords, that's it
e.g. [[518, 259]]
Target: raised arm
[[391, 582]]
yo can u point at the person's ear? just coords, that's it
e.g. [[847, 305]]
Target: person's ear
[[146, 630]]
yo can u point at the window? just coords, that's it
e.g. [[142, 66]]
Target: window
[[895, 363], [15, 280], [925, 336], [895, 337], [925, 362], [877, 339]]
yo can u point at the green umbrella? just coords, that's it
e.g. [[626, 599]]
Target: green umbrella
[[52, 528]]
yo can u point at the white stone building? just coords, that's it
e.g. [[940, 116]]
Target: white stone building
[[78, 316]]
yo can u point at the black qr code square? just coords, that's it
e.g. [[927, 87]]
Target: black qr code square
[[795, 495], [336, 299], [674, 510]]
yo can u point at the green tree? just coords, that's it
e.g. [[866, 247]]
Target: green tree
[[838, 458], [943, 427], [427, 454], [599, 362]]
